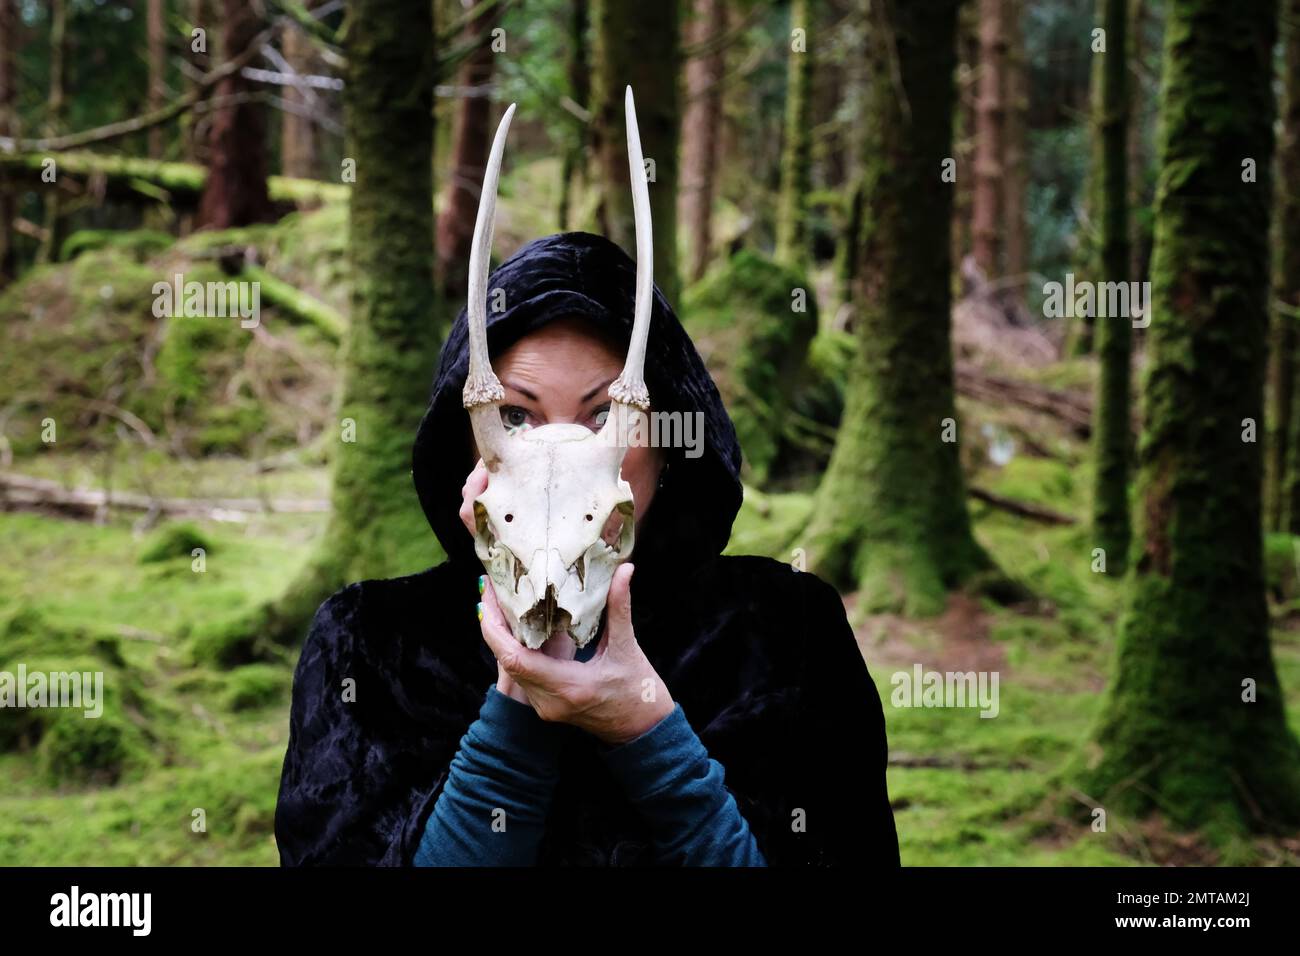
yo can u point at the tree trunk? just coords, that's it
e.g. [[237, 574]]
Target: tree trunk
[[637, 44], [157, 40], [1083, 333], [702, 133], [1287, 273], [54, 109], [298, 138], [192, 127], [986, 239], [891, 510], [469, 151], [796, 157], [1015, 178], [968, 73], [8, 127], [1110, 519], [235, 193], [1137, 155], [376, 528], [579, 75], [1194, 725]]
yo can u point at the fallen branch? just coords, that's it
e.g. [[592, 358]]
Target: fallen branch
[[182, 181], [24, 493], [1020, 508], [1072, 408], [296, 303], [958, 762]]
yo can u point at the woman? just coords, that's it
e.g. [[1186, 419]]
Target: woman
[[724, 716]]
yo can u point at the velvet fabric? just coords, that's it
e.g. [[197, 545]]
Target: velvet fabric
[[760, 656]]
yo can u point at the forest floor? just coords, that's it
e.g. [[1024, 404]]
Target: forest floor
[[184, 766], [207, 743]]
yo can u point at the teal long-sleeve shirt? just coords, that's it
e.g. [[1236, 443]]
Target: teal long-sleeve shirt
[[493, 807]]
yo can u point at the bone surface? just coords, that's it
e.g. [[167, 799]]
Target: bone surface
[[552, 489]]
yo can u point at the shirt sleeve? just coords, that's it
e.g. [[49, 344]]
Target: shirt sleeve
[[492, 810], [679, 789]]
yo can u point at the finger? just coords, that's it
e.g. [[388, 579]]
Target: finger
[[474, 486], [618, 621], [523, 664]]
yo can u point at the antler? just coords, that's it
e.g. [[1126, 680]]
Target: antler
[[629, 388], [482, 387], [629, 395]]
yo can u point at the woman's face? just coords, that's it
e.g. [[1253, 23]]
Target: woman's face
[[561, 373]]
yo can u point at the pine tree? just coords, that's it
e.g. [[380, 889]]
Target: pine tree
[[636, 44], [1194, 724], [1111, 416], [891, 511], [796, 158]]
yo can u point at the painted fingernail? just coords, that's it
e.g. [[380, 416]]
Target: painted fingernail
[[482, 583], [479, 606]]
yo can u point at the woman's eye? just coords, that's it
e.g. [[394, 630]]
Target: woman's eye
[[600, 415], [512, 416]]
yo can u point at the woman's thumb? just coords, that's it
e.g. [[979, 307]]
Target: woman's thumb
[[620, 603]]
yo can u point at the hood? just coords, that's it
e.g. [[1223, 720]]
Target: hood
[[578, 274]]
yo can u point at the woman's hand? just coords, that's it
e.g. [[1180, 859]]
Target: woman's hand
[[559, 646], [616, 696]]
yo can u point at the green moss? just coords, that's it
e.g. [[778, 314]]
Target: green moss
[[253, 686], [1195, 724], [138, 243], [755, 321], [174, 540], [80, 345], [75, 749]]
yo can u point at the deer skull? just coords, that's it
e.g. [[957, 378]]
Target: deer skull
[[553, 489]]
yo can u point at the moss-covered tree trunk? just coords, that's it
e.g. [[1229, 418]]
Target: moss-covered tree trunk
[[1194, 724], [376, 527], [55, 107], [1111, 413], [637, 44], [1286, 272], [891, 513], [796, 156]]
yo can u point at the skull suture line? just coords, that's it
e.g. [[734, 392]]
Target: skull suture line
[[551, 490]]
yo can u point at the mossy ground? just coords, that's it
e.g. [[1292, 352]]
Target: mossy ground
[[184, 731], [188, 735]]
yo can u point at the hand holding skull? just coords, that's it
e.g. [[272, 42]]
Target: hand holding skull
[[616, 696]]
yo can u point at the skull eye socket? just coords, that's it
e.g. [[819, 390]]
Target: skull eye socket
[[617, 533]]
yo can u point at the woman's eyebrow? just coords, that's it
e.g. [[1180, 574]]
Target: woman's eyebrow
[[523, 391], [592, 394]]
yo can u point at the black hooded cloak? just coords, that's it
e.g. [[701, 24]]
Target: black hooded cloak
[[760, 656]]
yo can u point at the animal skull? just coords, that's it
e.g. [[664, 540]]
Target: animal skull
[[552, 490]]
